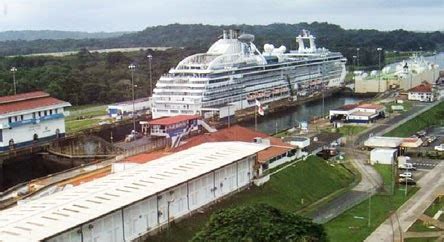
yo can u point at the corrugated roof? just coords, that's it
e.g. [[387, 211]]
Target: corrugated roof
[[238, 133], [29, 104], [371, 106], [173, 119], [423, 87], [42, 218], [23, 96]]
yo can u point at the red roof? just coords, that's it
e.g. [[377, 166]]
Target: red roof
[[173, 119], [238, 133], [145, 157], [347, 107], [424, 87], [371, 106], [26, 101], [23, 96]]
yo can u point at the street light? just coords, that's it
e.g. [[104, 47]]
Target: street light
[[132, 68], [379, 64], [14, 70], [357, 56], [150, 57], [322, 84]]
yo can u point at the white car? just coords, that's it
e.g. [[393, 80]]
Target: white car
[[439, 147], [406, 175]]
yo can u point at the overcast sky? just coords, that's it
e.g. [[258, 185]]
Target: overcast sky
[[132, 15]]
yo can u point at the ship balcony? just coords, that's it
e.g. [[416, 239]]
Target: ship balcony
[[33, 120]]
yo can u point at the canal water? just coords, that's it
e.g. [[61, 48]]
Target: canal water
[[271, 123]]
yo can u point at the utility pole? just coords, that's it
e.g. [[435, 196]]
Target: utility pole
[[150, 57], [357, 56], [322, 85], [369, 207], [380, 71], [14, 70], [132, 68]]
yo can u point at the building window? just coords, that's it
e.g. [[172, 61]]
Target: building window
[[40, 113], [1, 135], [21, 117], [56, 110], [15, 119], [46, 112], [33, 115], [10, 120]]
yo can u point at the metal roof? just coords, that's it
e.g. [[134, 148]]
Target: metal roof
[[45, 217]]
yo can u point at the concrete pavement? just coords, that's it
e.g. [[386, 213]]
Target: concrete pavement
[[370, 182], [394, 229]]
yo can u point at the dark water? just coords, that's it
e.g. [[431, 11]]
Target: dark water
[[303, 112], [26, 168]]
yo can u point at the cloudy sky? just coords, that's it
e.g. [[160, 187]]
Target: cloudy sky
[[131, 15]]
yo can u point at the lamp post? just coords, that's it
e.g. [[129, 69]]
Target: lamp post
[[379, 64], [150, 57], [132, 68], [14, 70], [357, 56], [322, 84]]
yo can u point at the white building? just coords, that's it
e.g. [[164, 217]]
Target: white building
[[422, 92], [128, 204], [383, 156], [353, 113], [30, 117], [125, 108]]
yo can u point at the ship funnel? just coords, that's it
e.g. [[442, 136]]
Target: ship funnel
[[246, 38]]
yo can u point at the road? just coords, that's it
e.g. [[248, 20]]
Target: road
[[370, 183], [371, 180], [389, 124], [396, 225]]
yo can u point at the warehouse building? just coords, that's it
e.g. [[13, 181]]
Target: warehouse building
[[423, 93], [128, 204], [353, 113], [31, 117]]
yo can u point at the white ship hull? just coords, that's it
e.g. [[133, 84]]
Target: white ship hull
[[232, 75]]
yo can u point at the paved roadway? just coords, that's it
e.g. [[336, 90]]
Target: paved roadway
[[371, 181], [386, 125], [396, 225]]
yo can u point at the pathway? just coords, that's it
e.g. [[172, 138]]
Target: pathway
[[431, 184]]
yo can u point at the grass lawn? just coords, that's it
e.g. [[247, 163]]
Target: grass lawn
[[421, 240], [386, 173], [292, 189], [434, 116], [73, 126], [353, 224], [351, 130], [87, 111], [419, 226], [437, 205]]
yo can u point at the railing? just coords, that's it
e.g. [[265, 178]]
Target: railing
[[34, 120]]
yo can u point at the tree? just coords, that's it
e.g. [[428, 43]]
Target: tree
[[259, 222]]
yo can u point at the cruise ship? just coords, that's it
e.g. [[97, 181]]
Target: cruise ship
[[233, 74]]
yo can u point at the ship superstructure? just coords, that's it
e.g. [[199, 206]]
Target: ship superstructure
[[233, 73]]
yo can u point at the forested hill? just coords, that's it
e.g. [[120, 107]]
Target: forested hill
[[197, 35], [55, 35]]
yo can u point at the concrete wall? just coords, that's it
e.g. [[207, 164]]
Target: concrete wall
[[414, 80], [25, 133], [158, 210], [371, 85]]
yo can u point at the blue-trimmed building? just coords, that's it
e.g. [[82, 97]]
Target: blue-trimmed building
[[29, 118]]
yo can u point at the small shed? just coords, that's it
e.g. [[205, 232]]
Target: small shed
[[383, 156]]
